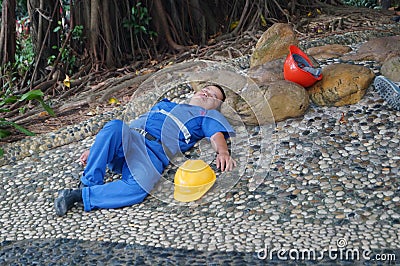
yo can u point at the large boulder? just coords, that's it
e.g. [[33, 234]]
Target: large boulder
[[273, 44], [286, 99], [391, 68], [264, 104], [342, 84], [379, 49], [328, 51]]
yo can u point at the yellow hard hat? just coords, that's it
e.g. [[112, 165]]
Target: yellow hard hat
[[192, 180]]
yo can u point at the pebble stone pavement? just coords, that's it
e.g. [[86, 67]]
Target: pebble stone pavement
[[332, 188]]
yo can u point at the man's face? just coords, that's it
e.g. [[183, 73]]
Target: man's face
[[209, 97]]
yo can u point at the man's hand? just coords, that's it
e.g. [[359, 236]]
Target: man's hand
[[225, 162], [84, 157]]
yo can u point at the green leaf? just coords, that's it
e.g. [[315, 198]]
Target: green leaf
[[32, 95], [4, 133], [4, 110], [127, 24], [18, 127], [1, 152], [46, 107], [10, 99]]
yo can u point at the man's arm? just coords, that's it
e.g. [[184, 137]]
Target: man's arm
[[224, 161], [84, 157]]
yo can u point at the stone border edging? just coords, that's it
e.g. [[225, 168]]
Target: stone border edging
[[32, 145]]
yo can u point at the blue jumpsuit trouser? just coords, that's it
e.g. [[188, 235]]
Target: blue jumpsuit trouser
[[107, 150]]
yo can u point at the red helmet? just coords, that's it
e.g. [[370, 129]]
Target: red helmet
[[293, 68]]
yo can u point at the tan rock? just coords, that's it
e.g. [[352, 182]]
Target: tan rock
[[275, 101], [328, 51], [268, 72], [391, 69], [248, 106], [273, 44], [342, 84], [379, 49], [286, 99]]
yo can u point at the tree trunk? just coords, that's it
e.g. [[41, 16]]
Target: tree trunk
[[105, 41], [7, 33], [199, 21], [94, 29], [164, 26], [80, 12], [108, 33], [40, 32], [44, 39]]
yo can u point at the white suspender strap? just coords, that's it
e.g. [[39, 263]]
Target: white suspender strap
[[181, 126]]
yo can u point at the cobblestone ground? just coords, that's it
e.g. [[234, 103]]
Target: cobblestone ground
[[331, 194]]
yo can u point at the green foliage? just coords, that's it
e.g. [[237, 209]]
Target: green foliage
[[8, 98], [77, 33], [139, 20], [22, 8], [7, 72], [38, 96], [12, 72], [25, 55], [361, 3], [68, 59]]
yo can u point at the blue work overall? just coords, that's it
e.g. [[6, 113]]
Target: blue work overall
[[107, 150], [139, 160]]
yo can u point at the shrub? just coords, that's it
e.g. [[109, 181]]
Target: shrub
[[8, 98]]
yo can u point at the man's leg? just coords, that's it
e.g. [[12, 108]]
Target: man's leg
[[116, 194], [107, 149]]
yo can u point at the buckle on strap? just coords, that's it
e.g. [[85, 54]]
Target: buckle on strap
[[146, 134], [150, 137]]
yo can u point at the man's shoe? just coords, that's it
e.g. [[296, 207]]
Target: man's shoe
[[65, 201], [396, 18], [81, 185], [389, 91]]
